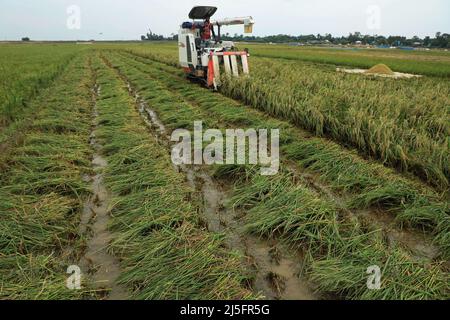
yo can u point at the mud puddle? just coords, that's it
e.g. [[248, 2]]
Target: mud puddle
[[277, 274], [103, 268]]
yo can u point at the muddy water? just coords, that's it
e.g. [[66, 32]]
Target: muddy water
[[103, 268], [277, 276]]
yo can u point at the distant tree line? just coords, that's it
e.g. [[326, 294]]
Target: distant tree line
[[150, 36], [440, 40]]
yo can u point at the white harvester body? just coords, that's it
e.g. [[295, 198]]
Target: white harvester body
[[205, 57]]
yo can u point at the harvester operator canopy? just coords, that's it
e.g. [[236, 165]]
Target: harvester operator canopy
[[203, 13]]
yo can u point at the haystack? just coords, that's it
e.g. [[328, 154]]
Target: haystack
[[380, 69]]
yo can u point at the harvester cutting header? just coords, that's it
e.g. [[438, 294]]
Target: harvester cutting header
[[202, 52]]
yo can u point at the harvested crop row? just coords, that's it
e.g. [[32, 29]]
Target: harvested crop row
[[402, 123], [24, 72], [284, 208], [363, 183], [166, 253], [41, 191]]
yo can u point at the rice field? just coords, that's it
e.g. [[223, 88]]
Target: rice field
[[26, 69], [402, 123], [431, 63], [88, 181]]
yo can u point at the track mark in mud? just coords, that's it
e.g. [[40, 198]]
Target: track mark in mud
[[103, 268], [277, 274], [419, 244], [275, 277]]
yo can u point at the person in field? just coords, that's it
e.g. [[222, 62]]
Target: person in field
[[206, 30]]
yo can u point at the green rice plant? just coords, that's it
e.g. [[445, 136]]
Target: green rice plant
[[306, 219], [433, 63], [36, 277], [36, 223], [374, 186], [42, 191], [183, 264]]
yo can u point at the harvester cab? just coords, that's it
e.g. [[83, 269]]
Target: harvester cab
[[203, 54]]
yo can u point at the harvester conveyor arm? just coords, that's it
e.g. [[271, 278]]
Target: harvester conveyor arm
[[248, 22]]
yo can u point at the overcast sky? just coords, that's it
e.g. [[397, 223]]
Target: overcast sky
[[128, 19]]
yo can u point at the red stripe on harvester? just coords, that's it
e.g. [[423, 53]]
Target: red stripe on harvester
[[210, 72]]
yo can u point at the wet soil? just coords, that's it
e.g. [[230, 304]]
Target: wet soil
[[418, 243], [102, 267]]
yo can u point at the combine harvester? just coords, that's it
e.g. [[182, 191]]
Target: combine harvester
[[203, 53]]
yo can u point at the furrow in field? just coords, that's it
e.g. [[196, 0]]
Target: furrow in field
[[359, 186], [42, 191], [337, 249], [165, 251]]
